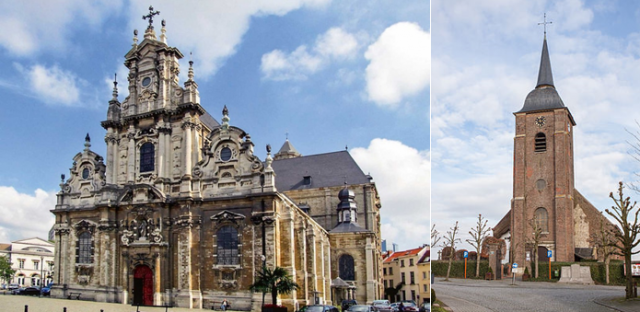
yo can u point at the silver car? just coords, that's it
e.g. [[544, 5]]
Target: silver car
[[382, 305]]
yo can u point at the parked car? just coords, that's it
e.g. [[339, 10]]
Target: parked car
[[425, 307], [31, 291], [46, 291], [361, 308], [394, 306], [382, 305], [17, 291], [409, 305], [13, 286], [321, 308], [347, 303]]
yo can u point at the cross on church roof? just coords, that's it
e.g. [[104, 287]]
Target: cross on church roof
[[150, 16], [545, 24]]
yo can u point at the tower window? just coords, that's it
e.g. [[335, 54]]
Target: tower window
[[147, 157], [540, 143], [542, 219], [84, 248]]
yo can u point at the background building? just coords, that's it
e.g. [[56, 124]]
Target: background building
[[405, 271], [32, 259]]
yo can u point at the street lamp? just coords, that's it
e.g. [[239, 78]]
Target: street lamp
[[41, 273]]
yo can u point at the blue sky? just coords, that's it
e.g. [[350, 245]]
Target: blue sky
[[485, 61], [330, 74]]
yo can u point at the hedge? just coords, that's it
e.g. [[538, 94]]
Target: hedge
[[616, 276]]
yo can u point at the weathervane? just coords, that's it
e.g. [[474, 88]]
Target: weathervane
[[543, 23], [150, 16]]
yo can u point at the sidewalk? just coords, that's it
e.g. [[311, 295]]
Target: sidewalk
[[620, 304]]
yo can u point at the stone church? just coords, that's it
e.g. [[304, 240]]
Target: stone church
[[543, 181], [180, 212]]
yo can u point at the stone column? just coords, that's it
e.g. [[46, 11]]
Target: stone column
[[188, 149], [114, 156], [161, 149], [109, 139], [131, 166]]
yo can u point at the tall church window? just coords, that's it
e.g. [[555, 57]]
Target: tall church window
[[227, 245], [542, 219], [147, 157], [84, 248], [540, 142], [347, 270]]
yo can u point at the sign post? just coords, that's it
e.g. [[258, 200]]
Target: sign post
[[513, 273], [466, 255], [549, 254]]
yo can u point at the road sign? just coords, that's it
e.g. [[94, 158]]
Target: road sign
[[515, 265], [549, 253], [466, 254]]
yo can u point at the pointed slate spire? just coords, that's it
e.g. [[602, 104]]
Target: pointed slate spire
[[545, 77]]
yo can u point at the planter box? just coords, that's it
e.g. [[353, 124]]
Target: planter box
[[488, 276], [525, 277]]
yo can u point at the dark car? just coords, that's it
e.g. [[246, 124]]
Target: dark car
[[347, 303], [361, 308], [46, 291], [409, 305], [13, 286], [321, 308], [31, 291], [425, 307], [17, 291]]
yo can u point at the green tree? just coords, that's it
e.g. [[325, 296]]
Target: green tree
[[626, 214], [276, 281], [6, 272]]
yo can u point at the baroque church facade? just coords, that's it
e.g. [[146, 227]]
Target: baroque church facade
[[180, 211], [544, 195]]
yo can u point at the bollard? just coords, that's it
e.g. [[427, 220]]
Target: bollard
[[26, 308], [64, 309]]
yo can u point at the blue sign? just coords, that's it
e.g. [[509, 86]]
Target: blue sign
[[549, 253], [515, 265], [466, 254]]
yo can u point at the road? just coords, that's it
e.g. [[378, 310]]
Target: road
[[498, 296]]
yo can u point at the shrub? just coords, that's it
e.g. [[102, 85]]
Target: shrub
[[433, 295], [439, 268]]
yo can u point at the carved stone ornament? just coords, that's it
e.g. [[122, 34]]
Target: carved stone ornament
[[85, 225], [227, 216]]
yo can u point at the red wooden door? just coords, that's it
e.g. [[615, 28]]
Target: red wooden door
[[144, 288]]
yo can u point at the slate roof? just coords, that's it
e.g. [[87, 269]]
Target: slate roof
[[325, 170], [209, 121], [348, 227], [544, 96], [287, 147], [399, 254]]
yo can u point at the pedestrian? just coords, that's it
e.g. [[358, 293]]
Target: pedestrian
[[401, 307], [224, 305]]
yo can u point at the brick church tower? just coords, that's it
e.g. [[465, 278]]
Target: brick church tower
[[543, 176]]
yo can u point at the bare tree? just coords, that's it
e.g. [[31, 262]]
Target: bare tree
[[435, 236], [450, 241], [627, 237], [605, 241], [478, 234], [535, 241]]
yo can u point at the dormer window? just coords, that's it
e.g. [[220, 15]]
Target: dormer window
[[225, 154], [85, 173], [147, 157], [540, 143], [306, 180]]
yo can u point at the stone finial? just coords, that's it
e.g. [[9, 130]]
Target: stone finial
[[225, 111], [115, 87], [268, 148], [62, 177], [269, 159], [135, 38], [190, 74], [163, 32], [225, 118], [87, 142]]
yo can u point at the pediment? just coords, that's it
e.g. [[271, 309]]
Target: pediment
[[140, 193], [228, 216]]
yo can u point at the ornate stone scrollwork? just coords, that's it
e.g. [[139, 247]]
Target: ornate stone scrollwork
[[85, 225], [227, 216]]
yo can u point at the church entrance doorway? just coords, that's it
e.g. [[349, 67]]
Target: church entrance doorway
[[142, 286], [542, 254]]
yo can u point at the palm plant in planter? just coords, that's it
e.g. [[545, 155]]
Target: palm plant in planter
[[525, 276], [276, 281]]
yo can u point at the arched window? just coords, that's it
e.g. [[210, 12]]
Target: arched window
[[227, 245], [540, 142], [84, 248], [147, 157], [347, 271], [542, 219]]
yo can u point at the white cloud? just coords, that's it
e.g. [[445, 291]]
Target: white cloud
[[336, 43], [400, 64], [27, 30], [214, 29], [403, 177], [299, 64], [53, 85], [25, 215]]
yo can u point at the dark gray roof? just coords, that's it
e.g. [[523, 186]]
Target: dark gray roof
[[209, 121], [347, 227], [544, 96], [325, 170]]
